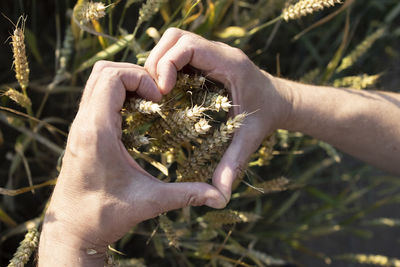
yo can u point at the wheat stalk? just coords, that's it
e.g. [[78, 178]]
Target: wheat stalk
[[305, 7]]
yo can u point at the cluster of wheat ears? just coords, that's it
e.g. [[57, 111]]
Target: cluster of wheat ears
[[188, 126]]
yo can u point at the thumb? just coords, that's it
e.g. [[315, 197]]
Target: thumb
[[234, 162], [179, 195]]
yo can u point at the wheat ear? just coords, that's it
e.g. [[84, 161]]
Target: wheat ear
[[219, 139], [360, 50], [305, 7], [19, 98], [88, 11], [365, 259], [20, 59], [221, 217], [25, 249], [357, 82], [147, 11], [268, 187]]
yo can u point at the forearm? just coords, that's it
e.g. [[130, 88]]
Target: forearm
[[58, 248], [364, 124]]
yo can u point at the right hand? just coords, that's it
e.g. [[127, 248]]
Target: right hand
[[251, 89]]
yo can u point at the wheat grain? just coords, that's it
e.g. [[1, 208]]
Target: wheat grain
[[305, 7], [221, 102], [142, 106], [25, 249], [202, 126], [20, 60]]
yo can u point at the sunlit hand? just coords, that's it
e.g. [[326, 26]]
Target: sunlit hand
[[251, 89], [101, 191]]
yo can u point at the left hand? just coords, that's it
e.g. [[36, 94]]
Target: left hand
[[101, 191]]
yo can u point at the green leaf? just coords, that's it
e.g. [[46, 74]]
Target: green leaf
[[6, 219]]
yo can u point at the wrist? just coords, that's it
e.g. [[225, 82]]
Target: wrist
[[283, 101], [59, 247]]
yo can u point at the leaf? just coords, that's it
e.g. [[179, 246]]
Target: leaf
[[108, 52], [153, 162], [6, 219], [32, 45]]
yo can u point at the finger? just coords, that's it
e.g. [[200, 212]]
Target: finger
[[109, 92], [179, 195], [169, 38], [96, 74], [193, 50], [234, 161]]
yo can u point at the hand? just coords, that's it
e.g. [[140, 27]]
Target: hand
[[252, 90], [101, 191]]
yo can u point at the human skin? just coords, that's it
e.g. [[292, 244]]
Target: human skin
[[101, 191], [364, 124]]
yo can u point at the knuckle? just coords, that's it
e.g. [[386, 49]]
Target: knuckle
[[187, 40], [110, 73], [172, 31], [101, 64], [239, 53]]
